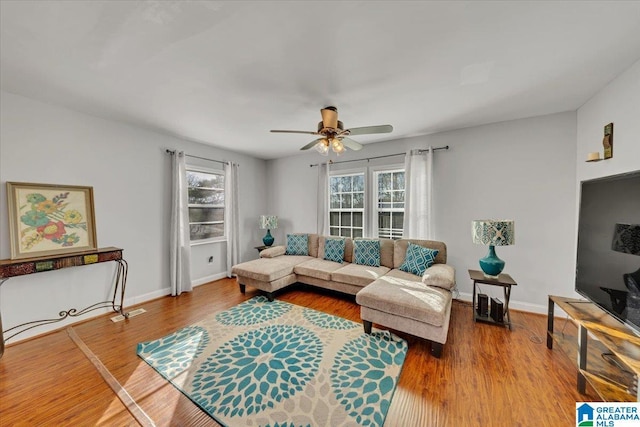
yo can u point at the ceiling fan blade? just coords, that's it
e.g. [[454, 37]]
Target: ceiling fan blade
[[295, 131], [311, 144], [351, 144], [371, 129]]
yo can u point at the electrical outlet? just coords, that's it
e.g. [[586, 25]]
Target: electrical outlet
[[210, 259]]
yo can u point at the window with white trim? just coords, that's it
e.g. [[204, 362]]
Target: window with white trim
[[206, 204], [367, 203], [347, 205], [389, 209]]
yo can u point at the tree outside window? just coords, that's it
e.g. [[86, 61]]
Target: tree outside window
[[206, 205]]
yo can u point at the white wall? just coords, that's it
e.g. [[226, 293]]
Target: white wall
[[618, 102], [130, 174], [531, 163]]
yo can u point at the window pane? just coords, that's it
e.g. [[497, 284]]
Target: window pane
[[205, 180], [384, 220], [398, 181], [334, 231], [357, 232], [345, 219], [384, 196], [206, 214], [334, 219], [335, 201], [334, 184], [358, 183], [398, 220], [357, 219], [200, 196], [206, 231], [346, 201], [345, 184], [358, 200], [345, 232], [384, 182]]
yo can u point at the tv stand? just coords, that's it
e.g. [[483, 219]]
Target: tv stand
[[614, 382]]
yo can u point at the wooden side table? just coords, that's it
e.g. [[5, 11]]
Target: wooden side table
[[261, 248], [503, 280]]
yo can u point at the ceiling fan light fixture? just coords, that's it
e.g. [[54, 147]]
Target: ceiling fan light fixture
[[322, 147], [337, 146]]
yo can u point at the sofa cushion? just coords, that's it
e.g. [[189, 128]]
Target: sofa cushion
[[297, 244], [400, 250], [359, 275], [440, 275], [418, 259], [366, 252], [334, 250], [273, 252], [318, 268], [406, 298], [268, 269]]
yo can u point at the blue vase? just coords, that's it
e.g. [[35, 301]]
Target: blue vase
[[491, 265], [268, 239]]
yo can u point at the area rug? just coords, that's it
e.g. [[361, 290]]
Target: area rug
[[265, 363]]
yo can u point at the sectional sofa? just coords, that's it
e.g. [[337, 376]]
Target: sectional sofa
[[393, 283]]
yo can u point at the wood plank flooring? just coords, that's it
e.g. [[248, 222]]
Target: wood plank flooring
[[487, 376]]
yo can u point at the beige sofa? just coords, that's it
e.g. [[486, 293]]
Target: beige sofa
[[387, 295]]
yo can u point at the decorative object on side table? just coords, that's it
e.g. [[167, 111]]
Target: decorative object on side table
[[268, 222], [46, 219], [493, 232]]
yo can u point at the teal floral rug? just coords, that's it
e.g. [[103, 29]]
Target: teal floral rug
[[274, 364]]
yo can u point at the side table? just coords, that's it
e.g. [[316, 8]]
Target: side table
[[503, 280], [261, 248]]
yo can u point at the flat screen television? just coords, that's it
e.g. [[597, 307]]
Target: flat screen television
[[608, 254]]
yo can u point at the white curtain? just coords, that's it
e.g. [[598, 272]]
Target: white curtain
[[231, 215], [418, 189], [323, 200], [179, 241]]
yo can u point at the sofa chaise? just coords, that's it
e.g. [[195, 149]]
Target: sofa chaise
[[390, 288]]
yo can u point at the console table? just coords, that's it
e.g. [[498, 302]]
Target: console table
[[610, 362], [19, 267]]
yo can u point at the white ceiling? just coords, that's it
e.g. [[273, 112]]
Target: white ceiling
[[225, 73]]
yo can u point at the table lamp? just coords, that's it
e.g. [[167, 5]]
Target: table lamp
[[268, 222], [492, 232]]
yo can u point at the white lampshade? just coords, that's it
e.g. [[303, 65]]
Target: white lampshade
[[268, 222], [494, 232]]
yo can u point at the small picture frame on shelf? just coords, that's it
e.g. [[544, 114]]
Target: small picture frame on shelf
[[48, 219]]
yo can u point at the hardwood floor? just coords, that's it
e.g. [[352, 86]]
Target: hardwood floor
[[487, 376]]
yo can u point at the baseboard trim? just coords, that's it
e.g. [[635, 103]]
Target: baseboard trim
[[208, 279]]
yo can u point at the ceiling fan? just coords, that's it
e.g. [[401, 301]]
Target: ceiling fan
[[333, 134]]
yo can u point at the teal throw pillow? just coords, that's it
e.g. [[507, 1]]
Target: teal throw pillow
[[418, 259], [367, 252], [334, 250], [297, 244]]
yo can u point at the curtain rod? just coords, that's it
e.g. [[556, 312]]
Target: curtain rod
[[197, 157], [420, 151]]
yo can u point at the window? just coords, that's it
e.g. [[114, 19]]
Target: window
[[389, 210], [350, 213], [346, 205], [206, 204]]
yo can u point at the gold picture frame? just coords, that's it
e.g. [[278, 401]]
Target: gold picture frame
[[48, 219]]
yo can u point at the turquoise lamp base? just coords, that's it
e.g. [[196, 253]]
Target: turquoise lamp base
[[491, 265], [268, 239]]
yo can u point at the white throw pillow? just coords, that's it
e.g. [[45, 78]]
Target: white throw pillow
[[440, 275]]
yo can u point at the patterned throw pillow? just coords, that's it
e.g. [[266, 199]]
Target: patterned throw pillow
[[334, 250], [297, 244], [418, 259], [367, 252]]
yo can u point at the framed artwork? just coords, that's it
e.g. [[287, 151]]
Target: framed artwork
[[46, 219]]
